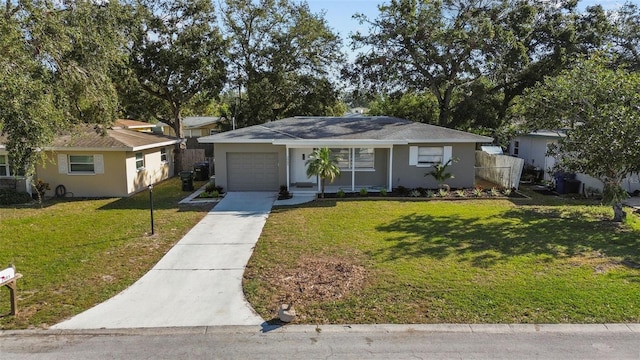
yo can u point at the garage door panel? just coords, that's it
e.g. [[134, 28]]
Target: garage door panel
[[252, 171]]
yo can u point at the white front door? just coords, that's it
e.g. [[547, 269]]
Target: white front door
[[299, 159]]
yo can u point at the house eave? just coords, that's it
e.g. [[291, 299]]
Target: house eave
[[339, 142], [112, 149]]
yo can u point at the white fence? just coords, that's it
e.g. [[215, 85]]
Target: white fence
[[502, 170]]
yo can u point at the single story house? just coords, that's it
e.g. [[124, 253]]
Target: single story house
[[533, 146], [195, 126], [376, 152], [85, 163]]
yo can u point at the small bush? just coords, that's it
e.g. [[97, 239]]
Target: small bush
[[363, 192], [383, 192], [12, 197], [443, 192], [415, 193], [477, 191], [402, 191], [340, 194], [430, 194], [507, 192], [461, 193], [211, 187], [495, 192]]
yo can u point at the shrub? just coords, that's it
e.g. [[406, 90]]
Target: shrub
[[443, 192], [340, 193], [383, 192], [11, 197], [477, 191], [461, 193], [494, 191], [402, 191], [507, 192], [363, 192], [210, 187], [415, 193], [430, 194]]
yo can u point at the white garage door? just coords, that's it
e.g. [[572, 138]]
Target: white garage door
[[252, 172]]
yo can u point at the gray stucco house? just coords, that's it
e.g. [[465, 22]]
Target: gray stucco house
[[373, 152]]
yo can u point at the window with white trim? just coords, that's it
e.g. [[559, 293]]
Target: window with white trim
[[428, 156], [163, 154], [81, 164], [139, 161], [4, 166], [361, 158]]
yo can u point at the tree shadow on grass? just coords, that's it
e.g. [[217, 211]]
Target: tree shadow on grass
[[484, 241]]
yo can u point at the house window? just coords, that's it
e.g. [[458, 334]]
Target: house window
[[360, 158], [427, 156], [430, 156], [163, 154], [81, 164], [139, 161], [4, 166], [364, 158], [516, 147]]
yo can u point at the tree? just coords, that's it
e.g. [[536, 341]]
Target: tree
[[423, 45], [177, 53], [55, 61], [411, 106], [281, 56], [321, 164], [599, 108]]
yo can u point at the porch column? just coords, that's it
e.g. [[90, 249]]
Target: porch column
[[288, 161], [390, 186], [352, 155]]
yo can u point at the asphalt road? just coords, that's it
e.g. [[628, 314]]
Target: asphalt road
[[330, 342]]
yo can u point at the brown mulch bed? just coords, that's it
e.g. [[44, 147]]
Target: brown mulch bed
[[319, 279]]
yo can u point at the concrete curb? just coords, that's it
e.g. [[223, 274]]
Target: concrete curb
[[355, 328]]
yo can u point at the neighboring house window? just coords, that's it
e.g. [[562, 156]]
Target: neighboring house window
[[139, 161], [4, 166], [213, 131], [360, 158], [163, 154], [516, 147], [81, 164], [427, 156]]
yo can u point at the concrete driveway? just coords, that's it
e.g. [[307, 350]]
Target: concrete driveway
[[199, 281]]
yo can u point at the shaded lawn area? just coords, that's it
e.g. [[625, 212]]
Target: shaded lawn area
[[452, 262], [75, 253]]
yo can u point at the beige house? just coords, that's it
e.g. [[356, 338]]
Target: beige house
[[117, 164]]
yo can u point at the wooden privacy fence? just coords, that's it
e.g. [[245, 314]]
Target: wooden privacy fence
[[503, 170], [188, 157]]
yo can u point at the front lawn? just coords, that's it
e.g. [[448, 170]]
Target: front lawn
[[75, 253], [467, 261]]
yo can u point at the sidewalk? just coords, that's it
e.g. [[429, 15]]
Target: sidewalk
[[199, 281]]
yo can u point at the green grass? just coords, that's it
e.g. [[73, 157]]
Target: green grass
[[468, 261], [74, 254]]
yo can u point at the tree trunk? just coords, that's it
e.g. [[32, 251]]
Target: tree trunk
[[618, 213], [322, 188]]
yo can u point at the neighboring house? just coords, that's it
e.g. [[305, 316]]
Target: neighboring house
[[8, 177], [118, 164], [532, 147], [195, 126], [372, 152], [135, 125]]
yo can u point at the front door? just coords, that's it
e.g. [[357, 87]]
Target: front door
[[299, 159]]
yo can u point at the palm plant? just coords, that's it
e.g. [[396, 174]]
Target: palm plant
[[439, 173], [321, 164]]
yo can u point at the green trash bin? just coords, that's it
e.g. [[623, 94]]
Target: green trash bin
[[187, 180]]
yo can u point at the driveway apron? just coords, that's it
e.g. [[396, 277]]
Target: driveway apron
[[199, 281]]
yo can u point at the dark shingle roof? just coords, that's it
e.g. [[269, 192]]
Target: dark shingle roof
[[375, 128]]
